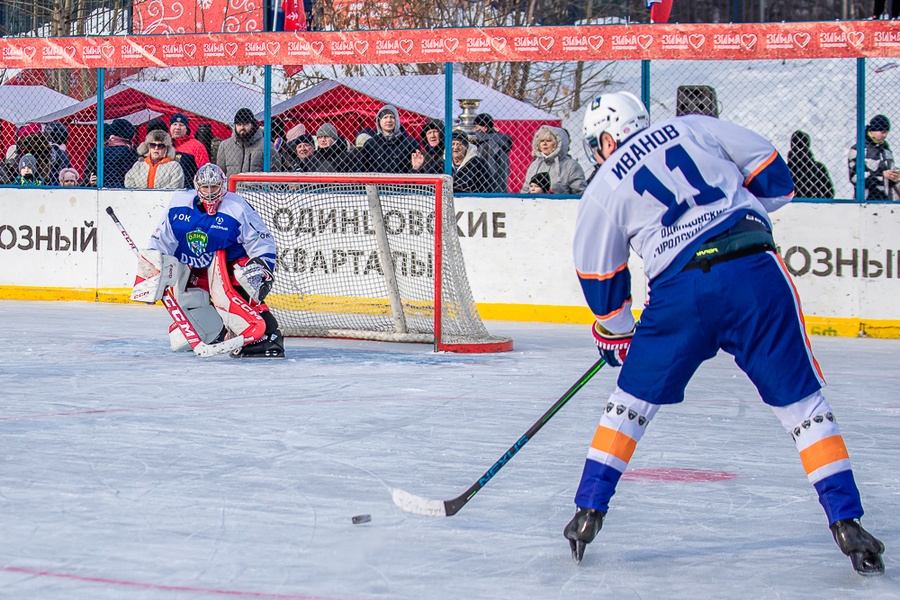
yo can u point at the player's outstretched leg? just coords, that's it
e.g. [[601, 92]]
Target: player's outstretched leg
[[582, 530], [863, 548]]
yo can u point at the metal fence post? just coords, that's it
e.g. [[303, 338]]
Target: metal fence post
[[448, 118], [267, 119], [645, 84], [860, 129], [101, 117]]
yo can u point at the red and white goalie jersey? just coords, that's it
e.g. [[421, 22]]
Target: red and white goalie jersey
[[663, 192]]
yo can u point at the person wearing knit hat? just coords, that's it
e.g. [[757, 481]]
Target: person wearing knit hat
[[299, 157], [882, 180], [158, 169], [332, 155], [390, 150], [122, 129], [431, 158], [470, 172], [540, 184], [244, 151], [118, 156], [184, 142], [69, 177], [28, 175], [494, 147]]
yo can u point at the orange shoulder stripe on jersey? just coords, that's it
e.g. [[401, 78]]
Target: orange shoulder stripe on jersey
[[824, 452], [614, 443], [759, 169], [602, 276]]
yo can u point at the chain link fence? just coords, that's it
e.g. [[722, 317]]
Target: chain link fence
[[512, 129]]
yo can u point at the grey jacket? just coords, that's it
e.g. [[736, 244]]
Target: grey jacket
[[566, 175], [236, 156]]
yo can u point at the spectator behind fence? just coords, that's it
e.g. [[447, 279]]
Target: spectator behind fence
[[298, 157], [69, 177], [356, 150], [811, 178], [470, 172], [57, 134], [550, 149], [879, 9], [430, 159], [158, 167], [205, 136], [185, 159], [494, 147], [243, 151], [880, 176], [332, 154], [390, 150], [30, 139], [184, 142], [118, 155], [540, 184], [28, 175], [289, 146]]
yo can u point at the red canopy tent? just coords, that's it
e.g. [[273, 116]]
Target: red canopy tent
[[21, 104]]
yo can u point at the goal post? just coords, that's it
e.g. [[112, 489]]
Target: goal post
[[368, 256]]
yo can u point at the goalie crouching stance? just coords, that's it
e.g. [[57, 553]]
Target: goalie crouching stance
[[214, 251]]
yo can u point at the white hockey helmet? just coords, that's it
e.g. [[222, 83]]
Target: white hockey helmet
[[620, 114], [210, 185]]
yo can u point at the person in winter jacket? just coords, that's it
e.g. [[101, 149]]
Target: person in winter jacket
[[30, 139], [881, 177], [332, 154], [494, 147], [550, 149], [540, 184], [118, 155], [299, 155], [57, 134], [243, 151], [187, 161], [470, 171], [184, 142], [811, 178], [28, 175], [158, 167], [430, 160], [390, 150]]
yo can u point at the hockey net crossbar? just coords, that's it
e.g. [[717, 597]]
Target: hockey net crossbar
[[368, 256]]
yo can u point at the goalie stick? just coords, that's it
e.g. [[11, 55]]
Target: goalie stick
[[445, 508], [175, 311]]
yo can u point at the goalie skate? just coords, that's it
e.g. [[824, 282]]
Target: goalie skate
[[582, 530], [863, 548], [270, 346]]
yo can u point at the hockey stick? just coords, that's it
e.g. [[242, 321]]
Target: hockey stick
[[445, 508], [175, 311]]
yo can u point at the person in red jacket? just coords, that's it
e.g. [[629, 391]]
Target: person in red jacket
[[184, 141]]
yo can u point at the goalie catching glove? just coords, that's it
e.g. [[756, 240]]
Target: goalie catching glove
[[256, 278], [613, 346]]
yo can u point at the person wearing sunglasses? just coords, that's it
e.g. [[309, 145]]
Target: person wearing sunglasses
[[157, 167]]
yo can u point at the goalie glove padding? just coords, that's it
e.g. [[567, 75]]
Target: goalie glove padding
[[612, 346], [155, 272], [256, 278]]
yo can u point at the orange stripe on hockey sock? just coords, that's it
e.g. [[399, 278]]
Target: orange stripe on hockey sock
[[823, 452], [614, 443]]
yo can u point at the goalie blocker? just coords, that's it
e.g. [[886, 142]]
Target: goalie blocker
[[217, 305]]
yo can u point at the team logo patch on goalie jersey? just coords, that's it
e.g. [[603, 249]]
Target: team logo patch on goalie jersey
[[197, 241]]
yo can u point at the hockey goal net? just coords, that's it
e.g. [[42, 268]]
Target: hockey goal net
[[368, 256]]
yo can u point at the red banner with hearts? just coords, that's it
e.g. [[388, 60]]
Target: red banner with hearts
[[846, 39]]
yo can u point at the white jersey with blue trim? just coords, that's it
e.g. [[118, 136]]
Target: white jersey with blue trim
[[192, 236], [662, 193]]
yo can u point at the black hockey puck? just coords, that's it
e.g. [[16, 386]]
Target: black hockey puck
[[358, 519]]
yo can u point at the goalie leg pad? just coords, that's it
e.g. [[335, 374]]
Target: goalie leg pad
[[237, 314], [206, 322], [155, 272]]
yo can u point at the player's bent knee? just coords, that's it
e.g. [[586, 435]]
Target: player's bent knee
[[794, 415]]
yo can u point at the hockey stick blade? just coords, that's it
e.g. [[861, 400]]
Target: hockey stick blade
[[446, 508]]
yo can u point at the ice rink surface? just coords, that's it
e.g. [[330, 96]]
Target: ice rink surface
[[129, 472]]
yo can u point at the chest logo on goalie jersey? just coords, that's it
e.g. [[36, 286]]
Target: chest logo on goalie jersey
[[197, 241]]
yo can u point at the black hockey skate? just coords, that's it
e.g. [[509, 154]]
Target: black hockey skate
[[582, 530], [270, 346], [863, 548]]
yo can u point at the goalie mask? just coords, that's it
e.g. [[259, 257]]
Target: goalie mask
[[210, 185], [620, 114]]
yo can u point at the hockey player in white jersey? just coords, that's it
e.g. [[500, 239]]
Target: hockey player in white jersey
[[213, 249], [691, 196]]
